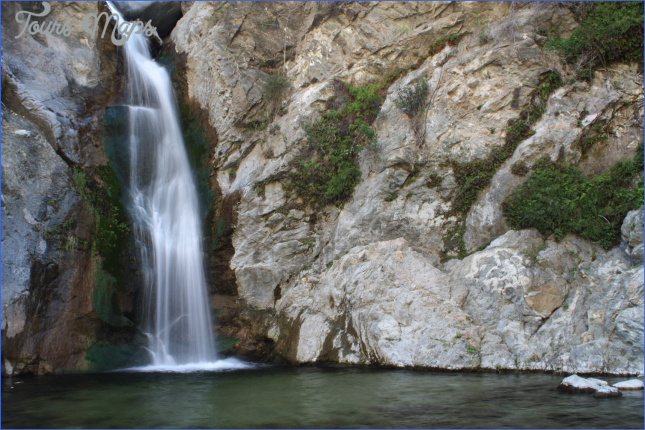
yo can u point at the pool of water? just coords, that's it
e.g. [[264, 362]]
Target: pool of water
[[309, 397]]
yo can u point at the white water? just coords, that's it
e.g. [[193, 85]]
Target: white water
[[165, 212], [213, 366]]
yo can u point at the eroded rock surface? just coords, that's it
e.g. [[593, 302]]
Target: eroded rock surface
[[369, 282], [364, 283], [54, 91]]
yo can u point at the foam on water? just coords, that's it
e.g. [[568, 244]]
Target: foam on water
[[214, 366]]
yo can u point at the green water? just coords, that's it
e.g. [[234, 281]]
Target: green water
[[309, 397]]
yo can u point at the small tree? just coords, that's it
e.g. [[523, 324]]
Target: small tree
[[412, 101]]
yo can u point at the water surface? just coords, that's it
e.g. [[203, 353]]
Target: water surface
[[309, 397]]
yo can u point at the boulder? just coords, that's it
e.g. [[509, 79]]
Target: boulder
[[576, 384], [605, 391], [597, 387], [632, 384]]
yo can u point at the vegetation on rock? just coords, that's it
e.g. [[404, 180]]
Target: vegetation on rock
[[558, 198], [326, 171], [474, 176], [608, 32], [410, 99]]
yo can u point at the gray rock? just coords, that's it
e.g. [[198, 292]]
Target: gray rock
[[164, 14], [36, 197], [604, 392], [632, 384], [576, 384], [364, 283], [632, 234]]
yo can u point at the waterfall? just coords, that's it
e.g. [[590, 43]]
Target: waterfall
[[164, 208]]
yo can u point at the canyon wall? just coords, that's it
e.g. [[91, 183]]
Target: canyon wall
[[407, 268], [64, 305], [395, 275]]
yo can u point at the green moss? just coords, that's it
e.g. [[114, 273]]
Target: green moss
[[225, 344], [220, 227], [455, 237], [559, 199], [471, 350], [105, 301], [111, 223], [102, 356], [197, 148], [608, 32], [519, 168]]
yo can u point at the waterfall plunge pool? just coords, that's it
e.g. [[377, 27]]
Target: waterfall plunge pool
[[309, 397]]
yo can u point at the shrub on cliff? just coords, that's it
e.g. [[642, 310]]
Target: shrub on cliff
[[410, 99], [275, 87], [326, 170], [559, 199], [608, 32]]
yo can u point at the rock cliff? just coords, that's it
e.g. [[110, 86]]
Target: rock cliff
[[449, 109], [61, 308], [375, 279]]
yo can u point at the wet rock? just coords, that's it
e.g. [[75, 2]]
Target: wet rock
[[632, 384], [164, 14], [344, 283], [576, 384], [54, 91], [604, 392]]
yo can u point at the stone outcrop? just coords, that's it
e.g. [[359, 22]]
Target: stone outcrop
[[374, 280], [369, 282], [597, 387], [54, 91]]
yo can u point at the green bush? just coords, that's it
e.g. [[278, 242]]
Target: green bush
[[608, 32], [559, 199], [410, 99], [326, 172], [519, 168], [275, 87]]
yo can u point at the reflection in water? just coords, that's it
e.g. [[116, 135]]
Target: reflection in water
[[310, 398]]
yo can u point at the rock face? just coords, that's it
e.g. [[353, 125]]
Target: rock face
[[370, 282], [632, 234], [54, 89], [164, 14], [374, 280]]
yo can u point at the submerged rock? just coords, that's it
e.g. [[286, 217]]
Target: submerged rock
[[632, 384], [605, 391]]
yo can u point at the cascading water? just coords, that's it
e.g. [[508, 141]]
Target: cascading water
[[165, 211]]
